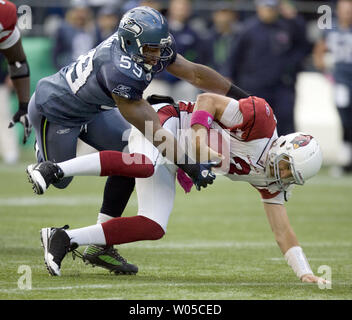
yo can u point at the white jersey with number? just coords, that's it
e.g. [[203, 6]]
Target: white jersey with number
[[248, 129]]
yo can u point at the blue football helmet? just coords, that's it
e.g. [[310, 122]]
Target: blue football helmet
[[144, 26]]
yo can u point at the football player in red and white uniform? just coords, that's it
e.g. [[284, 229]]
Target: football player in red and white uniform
[[11, 48], [250, 151]]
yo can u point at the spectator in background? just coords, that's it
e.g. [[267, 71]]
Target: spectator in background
[[266, 57], [155, 4], [225, 29], [128, 5], [9, 150], [75, 36], [338, 42], [189, 45], [107, 22]]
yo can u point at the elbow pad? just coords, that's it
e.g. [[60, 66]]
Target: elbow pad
[[19, 69]]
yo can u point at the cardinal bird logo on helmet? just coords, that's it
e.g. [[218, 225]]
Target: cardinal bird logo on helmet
[[301, 141]]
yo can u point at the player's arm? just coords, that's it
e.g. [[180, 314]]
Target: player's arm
[[288, 243], [204, 78], [208, 107], [138, 113], [19, 70], [19, 74]]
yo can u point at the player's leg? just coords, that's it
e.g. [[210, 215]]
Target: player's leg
[[148, 225], [103, 163], [110, 131], [155, 202], [99, 163], [53, 142]]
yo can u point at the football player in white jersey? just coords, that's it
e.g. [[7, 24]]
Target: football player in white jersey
[[250, 151]]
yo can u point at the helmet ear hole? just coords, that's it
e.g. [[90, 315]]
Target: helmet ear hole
[[282, 144]]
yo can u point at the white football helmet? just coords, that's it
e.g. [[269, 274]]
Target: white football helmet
[[303, 154]]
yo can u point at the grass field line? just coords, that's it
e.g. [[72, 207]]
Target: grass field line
[[209, 244], [310, 259], [77, 200], [215, 244], [163, 284], [228, 244]]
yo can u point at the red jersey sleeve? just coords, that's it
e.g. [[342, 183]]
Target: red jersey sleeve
[[258, 119], [8, 19], [166, 112]]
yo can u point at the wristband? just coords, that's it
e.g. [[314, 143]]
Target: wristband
[[203, 118], [297, 260]]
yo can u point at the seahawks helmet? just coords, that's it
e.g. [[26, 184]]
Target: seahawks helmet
[[144, 26], [303, 154]]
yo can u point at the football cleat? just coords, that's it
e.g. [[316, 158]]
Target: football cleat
[[108, 258], [41, 175], [56, 244]]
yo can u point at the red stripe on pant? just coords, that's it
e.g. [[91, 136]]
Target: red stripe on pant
[[115, 163], [130, 229]]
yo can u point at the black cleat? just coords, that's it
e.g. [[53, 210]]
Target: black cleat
[[108, 258], [42, 175], [56, 244]]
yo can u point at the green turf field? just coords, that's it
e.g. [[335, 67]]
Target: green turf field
[[218, 246]]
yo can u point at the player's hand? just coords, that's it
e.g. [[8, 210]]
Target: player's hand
[[21, 116], [311, 278], [204, 175]]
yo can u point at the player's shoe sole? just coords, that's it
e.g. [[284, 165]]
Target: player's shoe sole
[[36, 179], [44, 237]]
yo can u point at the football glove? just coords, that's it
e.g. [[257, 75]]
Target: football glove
[[22, 116], [202, 175]]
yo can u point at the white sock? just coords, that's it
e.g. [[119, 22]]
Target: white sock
[[102, 217], [87, 165], [87, 235]]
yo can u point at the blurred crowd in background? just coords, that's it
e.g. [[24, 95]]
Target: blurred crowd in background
[[261, 45]]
